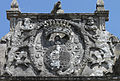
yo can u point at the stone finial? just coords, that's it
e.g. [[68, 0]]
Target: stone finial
[[100, 5], [14, 5], [57, 8]]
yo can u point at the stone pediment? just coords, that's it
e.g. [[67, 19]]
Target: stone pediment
[[59, 44]]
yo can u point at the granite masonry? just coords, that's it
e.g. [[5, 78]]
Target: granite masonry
[[58, 44]]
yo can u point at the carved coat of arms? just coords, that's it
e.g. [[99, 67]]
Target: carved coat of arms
[[57, 47]]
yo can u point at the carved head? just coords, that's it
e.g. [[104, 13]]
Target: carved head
[[57, 38], [57, 5]]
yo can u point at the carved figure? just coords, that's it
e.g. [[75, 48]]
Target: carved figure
[[57, 44], [60, 50], [57, 8]]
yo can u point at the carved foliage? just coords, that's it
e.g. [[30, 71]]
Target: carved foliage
[[58, 47]]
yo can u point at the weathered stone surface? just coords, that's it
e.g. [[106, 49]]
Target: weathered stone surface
[[117, 50], [2, 57], [14, 5], [80, 78], [100, 5], [56, 45], [57, 8]]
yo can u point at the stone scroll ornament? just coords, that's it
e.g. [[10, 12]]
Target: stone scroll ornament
[[58, 47]]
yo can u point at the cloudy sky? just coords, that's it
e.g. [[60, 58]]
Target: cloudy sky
[[69, 6]]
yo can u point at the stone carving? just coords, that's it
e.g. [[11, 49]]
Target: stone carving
[[59, 47], [57, 8], [53, 46], [14, 5], [56, 44]]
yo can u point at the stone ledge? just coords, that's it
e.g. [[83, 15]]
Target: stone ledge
[[81, 78], [68, 16]]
